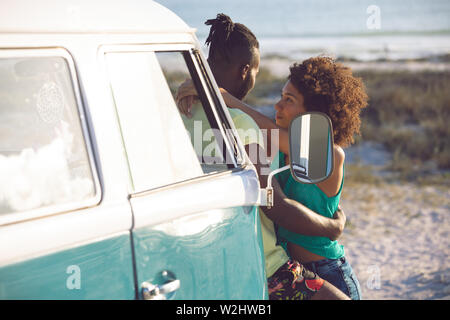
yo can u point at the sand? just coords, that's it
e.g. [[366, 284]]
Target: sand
[[397, 234], [397, 240]]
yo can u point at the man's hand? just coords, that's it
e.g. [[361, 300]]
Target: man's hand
[[186, 97], [295, 217], [340, 218]]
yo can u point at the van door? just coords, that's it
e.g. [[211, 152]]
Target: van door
[[196, 231]]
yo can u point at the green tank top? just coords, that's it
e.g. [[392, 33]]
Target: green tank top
[[315, 199]]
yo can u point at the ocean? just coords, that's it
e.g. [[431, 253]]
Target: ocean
[[364, 30]]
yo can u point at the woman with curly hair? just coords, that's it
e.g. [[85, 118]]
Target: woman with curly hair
[[317, 84]]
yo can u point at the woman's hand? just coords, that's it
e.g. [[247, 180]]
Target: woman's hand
[[186, 96]]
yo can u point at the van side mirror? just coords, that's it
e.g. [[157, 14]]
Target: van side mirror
[[311, 147], [311, 152]]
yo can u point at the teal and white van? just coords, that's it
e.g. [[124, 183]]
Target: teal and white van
[[104, 192], [102, 195]]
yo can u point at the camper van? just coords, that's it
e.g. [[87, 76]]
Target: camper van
[[103, 191]]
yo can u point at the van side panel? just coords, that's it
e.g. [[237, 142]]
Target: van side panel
[[221, 261], [99, 270]]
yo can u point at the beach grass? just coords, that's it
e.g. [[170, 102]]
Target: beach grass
[[409, 114], [357, 173], [267, 89]]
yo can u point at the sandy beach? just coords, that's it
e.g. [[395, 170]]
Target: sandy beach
[[397, 240], [397, 236]]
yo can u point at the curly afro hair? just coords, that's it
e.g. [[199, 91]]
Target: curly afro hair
[[331, 88]]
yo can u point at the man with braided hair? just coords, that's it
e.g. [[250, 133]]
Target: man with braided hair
[[234, 61]]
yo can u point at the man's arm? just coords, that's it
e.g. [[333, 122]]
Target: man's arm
[[291, 214], [295, 217]]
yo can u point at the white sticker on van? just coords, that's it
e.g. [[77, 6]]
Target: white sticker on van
[[50, 102]]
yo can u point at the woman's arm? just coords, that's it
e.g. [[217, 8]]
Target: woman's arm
[[184, 100], [262, 121], [332, 184]]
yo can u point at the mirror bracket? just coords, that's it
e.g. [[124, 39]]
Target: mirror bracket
[[266, 195]]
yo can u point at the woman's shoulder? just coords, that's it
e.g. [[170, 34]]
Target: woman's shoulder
[[332, 184], [339, 155]]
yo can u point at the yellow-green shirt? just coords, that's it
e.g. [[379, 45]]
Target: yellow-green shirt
[[274, 254]]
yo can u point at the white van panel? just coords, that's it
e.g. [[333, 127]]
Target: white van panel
[[82, 16]]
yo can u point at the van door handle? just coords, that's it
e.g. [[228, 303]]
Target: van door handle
[[158, 292]]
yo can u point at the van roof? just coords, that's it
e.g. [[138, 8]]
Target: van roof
[[88, 16]]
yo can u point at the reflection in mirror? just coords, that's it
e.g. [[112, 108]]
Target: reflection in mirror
[[311, 147]]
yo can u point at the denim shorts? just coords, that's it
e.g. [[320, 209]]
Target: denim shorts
[[339, 273]]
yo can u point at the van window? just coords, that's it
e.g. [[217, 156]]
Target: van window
[[163, 146], [43, 157], [205, 138]]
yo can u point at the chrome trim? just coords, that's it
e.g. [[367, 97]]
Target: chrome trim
[[211, 102], [158, 292]]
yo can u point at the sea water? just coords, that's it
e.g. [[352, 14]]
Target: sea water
[[355, 29]]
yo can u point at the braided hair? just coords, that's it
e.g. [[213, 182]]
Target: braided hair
[[230, 42]]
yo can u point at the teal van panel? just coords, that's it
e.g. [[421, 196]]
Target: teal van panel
[[223, 260], [99, 270]]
